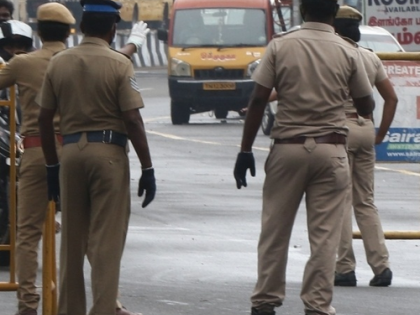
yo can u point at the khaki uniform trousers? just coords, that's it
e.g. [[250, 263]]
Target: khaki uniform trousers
[[95, 199], [31, 213], [321, 172], [361, 149]]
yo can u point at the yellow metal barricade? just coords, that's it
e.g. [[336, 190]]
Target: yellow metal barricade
[[49, 270], [12, 284], [411, 56]]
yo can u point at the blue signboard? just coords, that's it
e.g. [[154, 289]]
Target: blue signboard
[[400, 145], [402, 142]]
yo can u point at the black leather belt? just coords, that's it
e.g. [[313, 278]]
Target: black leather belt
[[332, 138], [103, 136]]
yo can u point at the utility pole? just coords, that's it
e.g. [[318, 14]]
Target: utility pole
[[296, 18], [20, 10]]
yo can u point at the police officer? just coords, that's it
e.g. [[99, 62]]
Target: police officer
[[6, 14], [27, 71], [6, 10], [95, 91], [361, 153], [16, 38], [313, 71]]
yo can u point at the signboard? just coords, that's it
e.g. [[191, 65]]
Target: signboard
[[400, 17], [402, 142]]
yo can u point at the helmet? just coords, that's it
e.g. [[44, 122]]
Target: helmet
[[15, 31]]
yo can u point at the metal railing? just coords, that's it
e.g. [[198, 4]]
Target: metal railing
[[49, 269], [397, 235], [11, 103]]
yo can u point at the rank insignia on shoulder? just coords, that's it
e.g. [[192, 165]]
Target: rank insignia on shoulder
[[56, 53], [134, 85], [349, 40], [128, 57], [281, 34], [370, 49]]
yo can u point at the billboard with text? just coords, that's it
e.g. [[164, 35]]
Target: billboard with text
[[402, 142], [400, 17]]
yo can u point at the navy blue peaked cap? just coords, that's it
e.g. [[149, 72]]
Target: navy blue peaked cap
[[102, 6]]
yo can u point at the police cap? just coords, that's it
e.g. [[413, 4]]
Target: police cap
[[54, 12], [347, 12], [102, 6]]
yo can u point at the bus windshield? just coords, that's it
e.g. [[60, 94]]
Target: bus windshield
[[226, 27]]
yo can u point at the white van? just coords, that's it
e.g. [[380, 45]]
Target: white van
[[378, 39], [375, 38]]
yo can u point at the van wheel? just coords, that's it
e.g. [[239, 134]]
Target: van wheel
[[180, 113], [267, 121], [221, 113]]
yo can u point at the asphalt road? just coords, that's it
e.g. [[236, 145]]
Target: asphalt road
[[193, 250]]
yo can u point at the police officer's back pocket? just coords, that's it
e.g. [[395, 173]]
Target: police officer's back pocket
[[340, 172]]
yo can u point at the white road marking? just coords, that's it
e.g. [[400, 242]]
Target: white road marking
[[169, 302], [146, 120], [150, 228], [398, 171], [175, 137]]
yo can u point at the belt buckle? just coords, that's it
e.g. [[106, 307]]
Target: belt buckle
[[106, 136]]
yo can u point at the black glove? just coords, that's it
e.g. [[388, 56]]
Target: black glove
[[53, 182], [147, 182], [244, 161]]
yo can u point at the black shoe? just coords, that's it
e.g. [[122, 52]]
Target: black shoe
[[345, 279], [255, 311], [382, 280]]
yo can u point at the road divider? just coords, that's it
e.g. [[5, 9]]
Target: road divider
[[152, 54]]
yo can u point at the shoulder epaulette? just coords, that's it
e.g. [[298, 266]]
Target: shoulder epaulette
[[57, 52], [371, 50], [354, 44], [284, 33], [127, 56]]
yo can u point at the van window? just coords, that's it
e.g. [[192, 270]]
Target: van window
[[379, 43], [220, 27], [286, 12]]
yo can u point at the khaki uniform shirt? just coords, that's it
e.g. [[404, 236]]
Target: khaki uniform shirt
[[375, 72], [312, 70], [27, 71], [90, 85]]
